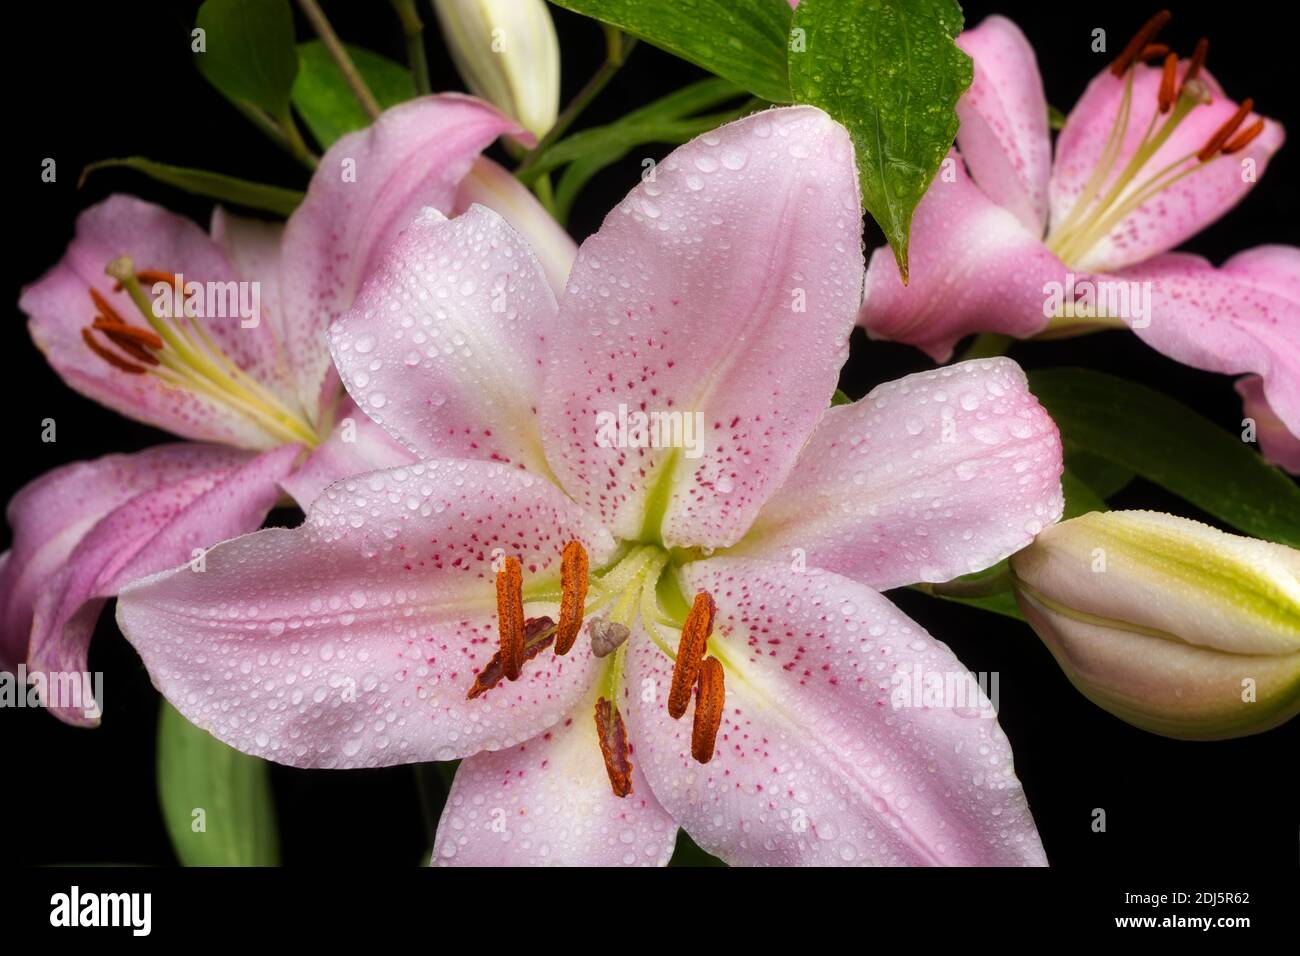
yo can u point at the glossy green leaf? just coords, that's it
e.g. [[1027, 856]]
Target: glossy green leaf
[[666, 120], [327, 104], [201, 182], [248, 51], [670, 119], [1080, 499], [216, 801], [1172, 446], [1102, 476], [891, 73], [688, 853], [742, 40]]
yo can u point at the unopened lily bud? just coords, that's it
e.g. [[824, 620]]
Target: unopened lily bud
[[1169, 624], [507, 53]]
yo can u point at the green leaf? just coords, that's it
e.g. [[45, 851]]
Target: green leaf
[[327, 104], [249, 54], [196, 772], [667, 120], [1102, 476], [664, 120], [201, 182], [1003, 603], [890, 72], [743, 40], [1055, 118], [1079, 498], [688, 853], [1172, 446]]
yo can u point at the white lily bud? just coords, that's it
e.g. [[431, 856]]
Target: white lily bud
[[1169, 624], [507, 53]]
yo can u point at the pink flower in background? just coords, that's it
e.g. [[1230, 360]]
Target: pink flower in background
[[436, 611], [251, 389], [1149, 157]]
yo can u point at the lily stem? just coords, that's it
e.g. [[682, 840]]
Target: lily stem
[[617, 48], [316, 16], [413, 27], [284, 134]]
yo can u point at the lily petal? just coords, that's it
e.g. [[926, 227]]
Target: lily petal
[[929, 477], [1176, 213], [445, 345], [1276, 443], [351, 640], [974, 267], [1003, 134], [356, 446], [368, 186], [156, 529], [814, 763], [1243, 317], [59, 308], [547, 802], [253, 247], [725, 286], [488, 184], [50, 515]]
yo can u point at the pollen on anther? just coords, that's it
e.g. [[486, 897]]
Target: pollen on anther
[[573, 595], [108, 356], [510, 616], [614, 748], [1167, 78], [1244, 138], [1139, 43], [105, 308], [1197, 61], [690, 652], [710, 695], [1224, 132]]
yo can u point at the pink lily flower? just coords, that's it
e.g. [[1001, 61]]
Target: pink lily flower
[[1149, 156], [251, 389], [515, 599]]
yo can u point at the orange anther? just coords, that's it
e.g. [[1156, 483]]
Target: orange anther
[[614, 747], [1139, 42], [690, 651], [573, 596], [710, 695], [510, 616], [1216, 142]]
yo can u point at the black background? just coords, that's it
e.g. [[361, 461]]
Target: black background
[[94, 80]]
